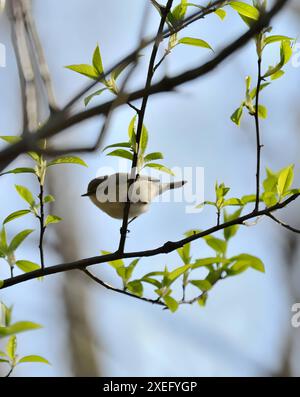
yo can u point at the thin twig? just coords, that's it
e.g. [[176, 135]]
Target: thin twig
[[121, 291], [161, 61], [283, 224], [9, 372], [257, 127]]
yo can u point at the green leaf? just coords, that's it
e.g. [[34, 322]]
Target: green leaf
[[129, 269], [6, 314], [67, 160], [88, 99], [132, 133], [136, 287], [221, 13], [20, 326], [18, 239], [11, 347], [27, 266], [285, 179], [121, 153], [175, 274], [33, 359], [236, 117], [160, 168], [184, 253], [144, 140], [245, 9], [274, 39], [216, 244], [171, 303], [262, 87], [3, 240], [202, 300], [277, 75], [85, 70], [286, 53], [151, 281], [203, 285], [206, 203], [171, 21], [270, 183], [232, 201], [153, 156], [15, 215], [25, 194], [231, 230], [49, 199], [221, 190], [269, 198], [52, 219], [194, 42], [115, 264], [237, 268], [121, 271], [120, 144], [35, 156], [262, 112], [180, 10], [19, 171], [11, 139], [250, 198], [208, 261], [97, 61], [252, 261]]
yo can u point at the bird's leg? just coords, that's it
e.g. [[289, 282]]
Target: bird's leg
[[131, 220], [128, 231]]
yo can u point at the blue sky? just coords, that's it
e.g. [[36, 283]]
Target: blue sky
[[241, 330]]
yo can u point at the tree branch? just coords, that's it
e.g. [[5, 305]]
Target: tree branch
[[166, 248], [62, 120], [283, 224], [121, 291], [41, 218]]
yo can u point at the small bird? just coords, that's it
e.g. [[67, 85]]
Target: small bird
[[110, 193]]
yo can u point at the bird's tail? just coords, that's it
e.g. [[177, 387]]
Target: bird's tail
[[172, 185]]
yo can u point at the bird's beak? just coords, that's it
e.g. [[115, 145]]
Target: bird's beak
[[85, 195]]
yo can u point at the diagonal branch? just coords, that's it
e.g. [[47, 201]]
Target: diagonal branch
[[283, 224], [62, 120], [121, 291]]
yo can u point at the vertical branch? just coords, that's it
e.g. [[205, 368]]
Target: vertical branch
[[257, 126], [141, 116], [218, 216], [42, 223]]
